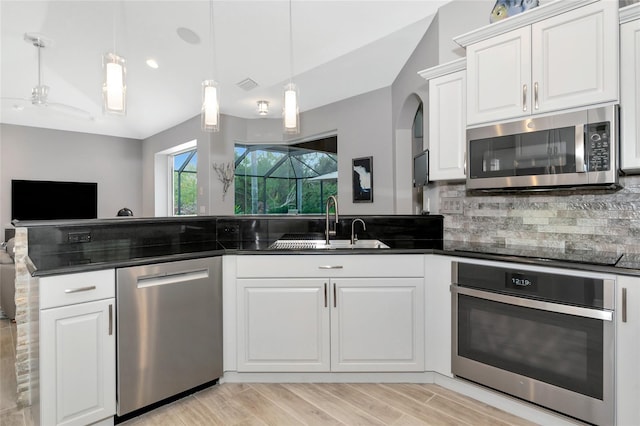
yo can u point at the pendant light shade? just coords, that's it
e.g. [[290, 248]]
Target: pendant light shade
[[114, 88], [210, 113], [290, 110]]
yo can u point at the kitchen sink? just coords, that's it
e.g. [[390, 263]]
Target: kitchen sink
[[322, 244]]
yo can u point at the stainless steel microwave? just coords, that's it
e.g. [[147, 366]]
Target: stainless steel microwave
[[562, 150]]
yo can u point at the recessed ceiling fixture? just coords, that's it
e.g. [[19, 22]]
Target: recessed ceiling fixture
[[290, 117], [263, 107], [152, 63], [210, 112], [114, 88], [188, 36]]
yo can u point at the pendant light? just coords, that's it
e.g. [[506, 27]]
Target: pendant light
[[210, 113], [290, 115], [114, 88]]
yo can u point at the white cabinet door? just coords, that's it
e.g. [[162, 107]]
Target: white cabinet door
[[377, 324], [569, 60], [628, 352], [78, 363], [447, 126], [283, 324], [574, 58], [498, 76], [630, 95]]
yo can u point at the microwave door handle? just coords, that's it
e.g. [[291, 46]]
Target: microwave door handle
[[581, 166]]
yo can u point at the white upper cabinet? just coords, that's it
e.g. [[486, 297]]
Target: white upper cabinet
[[447, 120], [498, 77], [630, 88], [554, 62], [574, 58]]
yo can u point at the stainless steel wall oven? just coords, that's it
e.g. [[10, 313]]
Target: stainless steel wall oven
[[547, 338]]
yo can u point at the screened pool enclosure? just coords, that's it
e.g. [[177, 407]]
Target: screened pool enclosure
[[281, 179]]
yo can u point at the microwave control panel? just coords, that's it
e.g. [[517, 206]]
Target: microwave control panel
[[598, 146]]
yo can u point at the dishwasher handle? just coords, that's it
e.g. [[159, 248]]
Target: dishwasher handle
[[171, 278]]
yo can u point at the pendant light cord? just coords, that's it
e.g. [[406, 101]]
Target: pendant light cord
[[212, 40], [290, 45], [113, 23]]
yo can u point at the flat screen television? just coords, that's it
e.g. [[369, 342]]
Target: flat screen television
[[48, 200]]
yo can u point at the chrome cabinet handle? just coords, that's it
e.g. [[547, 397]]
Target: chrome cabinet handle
[[80, 289], [335, 299], [535, 95], [330, 267], [524, 97], [624, 305], [325, 295], [110, 319]]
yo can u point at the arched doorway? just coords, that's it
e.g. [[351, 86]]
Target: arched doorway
[[408, 142]]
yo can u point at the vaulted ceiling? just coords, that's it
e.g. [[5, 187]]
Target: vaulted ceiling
[[340, 49]]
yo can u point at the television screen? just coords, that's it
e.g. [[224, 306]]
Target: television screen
[[421, 169], [47, 200]]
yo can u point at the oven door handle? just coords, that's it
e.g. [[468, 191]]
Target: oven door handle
[[598, 314]]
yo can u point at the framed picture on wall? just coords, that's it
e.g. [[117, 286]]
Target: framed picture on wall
[[363, 180]]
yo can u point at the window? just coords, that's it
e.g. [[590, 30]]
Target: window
[[277, 179], [185, 182]]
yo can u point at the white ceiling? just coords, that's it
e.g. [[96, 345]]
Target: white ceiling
[[340, 49]]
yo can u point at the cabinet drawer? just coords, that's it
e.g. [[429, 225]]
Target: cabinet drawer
[[307, 266], [61, 290]]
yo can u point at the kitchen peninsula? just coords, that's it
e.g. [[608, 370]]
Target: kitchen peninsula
[[411, 278]]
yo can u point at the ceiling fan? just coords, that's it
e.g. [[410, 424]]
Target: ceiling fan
[[40, 92]]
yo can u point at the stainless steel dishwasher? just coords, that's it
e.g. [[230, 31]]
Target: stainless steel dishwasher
[[169, 325]]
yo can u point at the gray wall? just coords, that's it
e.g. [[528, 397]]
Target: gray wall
[[45, 154], [409, 89], [363, 126]]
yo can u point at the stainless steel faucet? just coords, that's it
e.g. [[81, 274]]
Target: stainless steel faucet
[[354, 237], [328, 232]]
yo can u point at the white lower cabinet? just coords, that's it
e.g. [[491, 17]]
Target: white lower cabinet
[[77, 348], [377, 324], [331, 323], [627, 351], [283, 325]]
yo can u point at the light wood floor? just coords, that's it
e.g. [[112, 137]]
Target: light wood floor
[[327, 404], [287, 404]]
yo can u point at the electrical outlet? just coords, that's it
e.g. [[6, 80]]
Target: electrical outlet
[[79, 237], [451, 205]]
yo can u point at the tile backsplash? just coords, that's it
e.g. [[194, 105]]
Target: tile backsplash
[[603, 220]]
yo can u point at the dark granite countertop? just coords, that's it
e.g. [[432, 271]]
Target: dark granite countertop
[[565, 259]]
